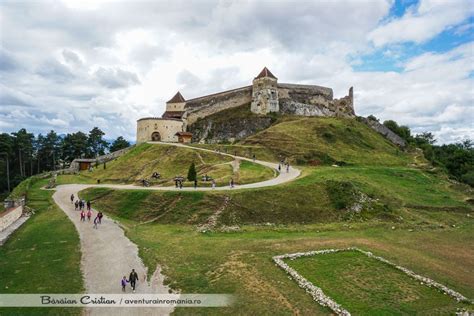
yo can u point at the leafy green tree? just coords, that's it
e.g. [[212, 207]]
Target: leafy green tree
[[96, 144], [23, 150], [119, 143], [402, 131], [74, 146], [192, 174], [48, 151]]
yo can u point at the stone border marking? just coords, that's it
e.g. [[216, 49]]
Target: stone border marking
[[324, 300]]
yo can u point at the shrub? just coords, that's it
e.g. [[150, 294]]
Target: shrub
[[192, 174]]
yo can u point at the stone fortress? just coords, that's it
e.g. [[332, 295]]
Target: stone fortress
[[265, 96]]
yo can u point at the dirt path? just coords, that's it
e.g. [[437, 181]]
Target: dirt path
[[108, 255]]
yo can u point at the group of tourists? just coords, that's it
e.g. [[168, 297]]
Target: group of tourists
[[132, 279], [178, 183], [283, 164], [81, 205]]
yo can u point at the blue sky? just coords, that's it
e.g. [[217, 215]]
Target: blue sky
[[71, 65]]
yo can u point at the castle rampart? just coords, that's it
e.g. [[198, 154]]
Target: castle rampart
[[265, 95]]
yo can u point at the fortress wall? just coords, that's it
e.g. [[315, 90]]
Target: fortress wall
[[305, 100], [9, 217], [166, 127], [207, 105]]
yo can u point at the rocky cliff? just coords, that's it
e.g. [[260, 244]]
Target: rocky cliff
[[229, 125]]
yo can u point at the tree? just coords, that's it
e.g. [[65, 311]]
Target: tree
[[192, 174], [425, 138], [23, 145], [48, 150], [74, 146], [119, 143], [96, 144], [402, 130]]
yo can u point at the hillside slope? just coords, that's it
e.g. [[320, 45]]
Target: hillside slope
[[170, 161], [320, 141]]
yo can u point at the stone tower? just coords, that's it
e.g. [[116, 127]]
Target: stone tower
[[265, 93]]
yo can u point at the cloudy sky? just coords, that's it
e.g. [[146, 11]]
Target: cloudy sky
[[71, 65]]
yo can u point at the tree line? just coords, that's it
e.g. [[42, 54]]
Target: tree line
[[28, 154], [456, 159]]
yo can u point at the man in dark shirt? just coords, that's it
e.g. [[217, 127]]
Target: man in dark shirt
[[133, 278]]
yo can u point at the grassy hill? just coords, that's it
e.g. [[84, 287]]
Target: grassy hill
[[170, 161], [321, 140]]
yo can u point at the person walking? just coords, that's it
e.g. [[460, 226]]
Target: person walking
[[253, 157], [195, 183], [287, 167], [176, 183], [279, 168], [180, 184], [99, 216], [89, 214], [72, 198], [83, 216], [76, 205], [133, 278], [231, 182], [88, 205], [124, 283], [80, 205], [213, 184], [96, 221]]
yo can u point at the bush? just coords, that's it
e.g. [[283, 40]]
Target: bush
[[341, 193]]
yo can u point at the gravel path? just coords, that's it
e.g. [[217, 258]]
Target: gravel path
[[108, 255]]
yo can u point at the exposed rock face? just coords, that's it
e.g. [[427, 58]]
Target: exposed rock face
[[219, 128], [296, 108], [385, 131], [307, 100]]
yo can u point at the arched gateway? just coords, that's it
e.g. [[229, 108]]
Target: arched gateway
[[156, 137]]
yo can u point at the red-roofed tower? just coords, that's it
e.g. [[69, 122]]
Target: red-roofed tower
[[265, 93]]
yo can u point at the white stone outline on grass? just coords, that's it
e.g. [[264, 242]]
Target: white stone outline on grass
[[324, 300]]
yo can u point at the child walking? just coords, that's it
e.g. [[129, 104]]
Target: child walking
[[83, 216], [124, 283]]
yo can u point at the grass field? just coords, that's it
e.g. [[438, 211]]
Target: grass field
[[240, 262], [170, 161], [42, 256], [363, 285]]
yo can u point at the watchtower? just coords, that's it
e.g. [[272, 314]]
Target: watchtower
[[265, 93]]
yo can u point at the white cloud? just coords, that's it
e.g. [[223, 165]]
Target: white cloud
[[423, 22], [110, 63]]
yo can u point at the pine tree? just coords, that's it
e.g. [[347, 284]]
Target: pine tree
[[192, 172]]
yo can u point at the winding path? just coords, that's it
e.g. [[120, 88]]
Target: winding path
[[108, 255]]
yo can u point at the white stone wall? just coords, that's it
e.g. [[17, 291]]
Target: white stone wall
[[7, 218], [166, 127]]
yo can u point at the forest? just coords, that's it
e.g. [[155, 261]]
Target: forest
[[23, 154]]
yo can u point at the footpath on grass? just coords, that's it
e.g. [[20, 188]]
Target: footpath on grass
[[108, 255]]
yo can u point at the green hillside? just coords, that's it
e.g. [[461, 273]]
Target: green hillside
[[321, 140], [170, 161]]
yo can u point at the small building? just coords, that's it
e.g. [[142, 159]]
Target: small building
[[184, 137], [80, 164]]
